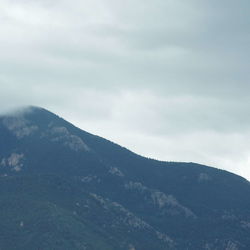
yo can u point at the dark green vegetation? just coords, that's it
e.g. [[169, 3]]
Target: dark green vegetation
[[63, 188]]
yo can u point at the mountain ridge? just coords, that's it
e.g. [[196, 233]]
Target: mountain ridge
[[30, 108], [176, 205]]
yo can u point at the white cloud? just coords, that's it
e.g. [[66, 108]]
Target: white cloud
[[167, 78]]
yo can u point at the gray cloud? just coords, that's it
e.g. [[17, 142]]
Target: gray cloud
[[167, 79]]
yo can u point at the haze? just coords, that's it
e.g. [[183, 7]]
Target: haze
[[167, 79]]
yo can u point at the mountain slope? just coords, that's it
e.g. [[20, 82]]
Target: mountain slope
[[124, 200]]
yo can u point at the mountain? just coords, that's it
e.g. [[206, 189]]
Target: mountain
[[63, 188]]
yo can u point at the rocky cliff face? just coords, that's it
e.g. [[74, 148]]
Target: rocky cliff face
[[84, 192]]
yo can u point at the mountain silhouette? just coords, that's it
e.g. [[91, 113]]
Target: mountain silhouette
[[64, 188]]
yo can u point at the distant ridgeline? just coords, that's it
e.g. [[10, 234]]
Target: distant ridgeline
[[62, 188]]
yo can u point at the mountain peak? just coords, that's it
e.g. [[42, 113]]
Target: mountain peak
[[143, 203], [40, 124], [31, 114]]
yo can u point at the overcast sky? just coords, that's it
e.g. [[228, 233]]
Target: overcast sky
[[168, 79]]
